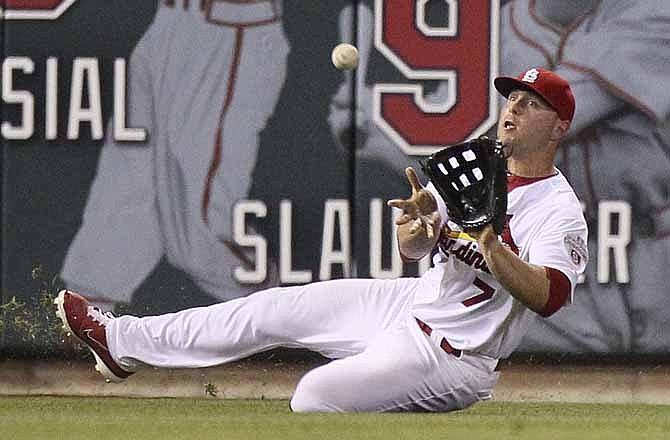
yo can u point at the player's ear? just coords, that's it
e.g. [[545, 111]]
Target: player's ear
[[560, 130]]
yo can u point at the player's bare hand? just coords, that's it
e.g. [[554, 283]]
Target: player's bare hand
[[420, 203], [430, 222], [420, 209]]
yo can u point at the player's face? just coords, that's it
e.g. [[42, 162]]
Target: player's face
[[527, 121]]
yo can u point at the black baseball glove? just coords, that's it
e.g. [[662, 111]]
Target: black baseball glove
[[472, 179]]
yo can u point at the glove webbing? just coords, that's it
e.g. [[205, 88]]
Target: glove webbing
[[462, 170]]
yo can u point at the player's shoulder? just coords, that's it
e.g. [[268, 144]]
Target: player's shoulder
[[538, 187], [552, 195]]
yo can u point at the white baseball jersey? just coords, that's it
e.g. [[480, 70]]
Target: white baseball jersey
[[614, 58], [204, 79], [468, 306]]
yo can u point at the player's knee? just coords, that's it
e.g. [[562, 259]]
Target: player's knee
[[304, 404], [311, 396]]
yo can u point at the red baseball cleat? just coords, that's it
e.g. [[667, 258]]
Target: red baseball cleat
[[88, 324]]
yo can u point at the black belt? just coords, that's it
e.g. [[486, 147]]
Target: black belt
[[444, 344]]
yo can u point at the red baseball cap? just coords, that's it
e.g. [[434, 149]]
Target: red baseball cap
[[554, 89]]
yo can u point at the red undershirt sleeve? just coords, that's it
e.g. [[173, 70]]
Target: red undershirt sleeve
[[559, 291]]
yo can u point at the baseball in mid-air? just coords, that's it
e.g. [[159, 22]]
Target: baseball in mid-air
[[345, 56]]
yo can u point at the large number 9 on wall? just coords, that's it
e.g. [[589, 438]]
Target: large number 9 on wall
[[463, 54]]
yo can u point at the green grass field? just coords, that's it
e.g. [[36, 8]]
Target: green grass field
[[130, 419]]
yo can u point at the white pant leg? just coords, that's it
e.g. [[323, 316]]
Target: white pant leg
[[401, 370], [336, 318]]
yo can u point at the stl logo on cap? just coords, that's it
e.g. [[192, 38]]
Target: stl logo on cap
[[531, 76]]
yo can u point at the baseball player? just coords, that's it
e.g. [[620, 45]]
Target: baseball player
[[204, 79], [613, 52], [409, 344]]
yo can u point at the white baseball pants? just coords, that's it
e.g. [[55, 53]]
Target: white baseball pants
[[384, 361]]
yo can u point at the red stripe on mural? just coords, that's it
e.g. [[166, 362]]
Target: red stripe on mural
[[30, 4]]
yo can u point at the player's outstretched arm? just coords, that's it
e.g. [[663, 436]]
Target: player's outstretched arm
[[420, 222], [526, 282]]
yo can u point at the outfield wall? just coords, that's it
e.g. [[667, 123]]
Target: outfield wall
[[165, 154]]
